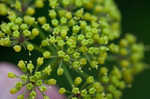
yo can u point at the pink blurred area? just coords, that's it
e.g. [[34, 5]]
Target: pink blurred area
[[6, 84]]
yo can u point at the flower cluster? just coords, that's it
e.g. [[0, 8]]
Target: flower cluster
[[78, 47]]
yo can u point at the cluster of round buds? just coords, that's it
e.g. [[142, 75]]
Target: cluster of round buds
[[75, 42], [33, 79]]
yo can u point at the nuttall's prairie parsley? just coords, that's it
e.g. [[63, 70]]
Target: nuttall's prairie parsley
[[78, 47]]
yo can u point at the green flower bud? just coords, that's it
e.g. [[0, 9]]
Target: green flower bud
[[18, 5], [105, 79], [47, 70], [111, 88], [35, 32], [21, 64], [68, 15], [46, 27], [76, 55], [53, 3], [67, 58], [29, 86], [24, 78], [44, 43], [78, 80], [61, 54], [127, 75], [62, 91], [76, 65], [39, 3], [4, 9], [114, 48], [52, 14], [81, 37], [124, 63], [47, 54], [18, 20], [13, 90], [26, 33], [40, 61], [29, 20], [39, 83], [38, 75], [30, 47], [66, 2], [60, 43], [32, 78], [24, 27], [11, 75], [60, 71], [84, 92], [90, 79], [75, 90], [30, 11], [117, 94], [76, 29], [98, 86], [123, 43], [123, 51], [131, 39], [43, 88], [94, 64], [103, 70], [17, 48], [30, 67], [83, 61], [42, 20], [33, 93], [92, 91], [55, 22], [63, 20], [19, 85], [16, 34], [20, 96], [51, 82]]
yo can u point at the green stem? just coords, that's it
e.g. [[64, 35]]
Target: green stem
[[38, 48], [84, 85], [68, 76], [83, 74]]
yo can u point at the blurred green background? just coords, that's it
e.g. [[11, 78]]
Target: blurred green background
[[135, 19]]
